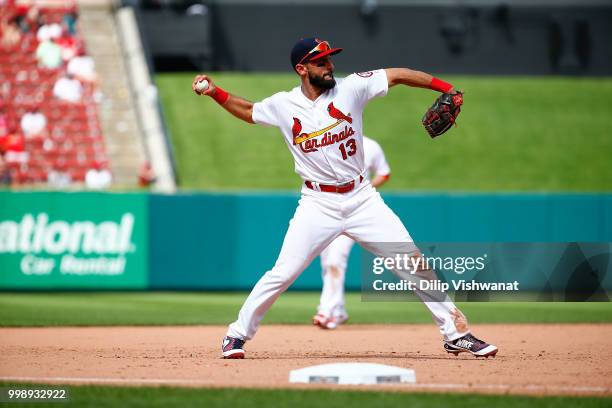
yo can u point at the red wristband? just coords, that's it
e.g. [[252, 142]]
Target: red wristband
[[439, 85], [220, 96]]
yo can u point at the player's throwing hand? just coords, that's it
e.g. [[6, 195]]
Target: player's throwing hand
[[203, 85]]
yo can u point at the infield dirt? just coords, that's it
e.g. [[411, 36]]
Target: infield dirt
[[533, 359]]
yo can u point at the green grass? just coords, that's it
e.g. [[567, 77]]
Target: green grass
[[102, 396], [515, 134], [91, 309]]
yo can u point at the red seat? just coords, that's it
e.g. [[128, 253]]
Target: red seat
[[78, 174], [37, 175]]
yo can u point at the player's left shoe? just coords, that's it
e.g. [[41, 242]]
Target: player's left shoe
[[470, 344], [232, 347]]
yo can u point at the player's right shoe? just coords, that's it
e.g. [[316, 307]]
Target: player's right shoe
[[324, 322], [232, 347], [470, 344], [341, 318]]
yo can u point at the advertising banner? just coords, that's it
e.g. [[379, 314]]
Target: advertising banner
[[56, 240]]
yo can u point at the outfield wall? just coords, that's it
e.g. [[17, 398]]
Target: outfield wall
[[56, 240]]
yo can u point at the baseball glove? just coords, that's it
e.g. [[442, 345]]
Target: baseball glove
[[443, 113]]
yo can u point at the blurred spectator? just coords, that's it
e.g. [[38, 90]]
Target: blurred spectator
[[49, 54], [33, 123], [28, 19], [48, 31], [68, 89], [146, 177], [59, 177], [10, 34], [68, 45], [82, 67], [5, 173], [98, 177], [14, 148], [197, 9], [69, 21], [3, 124], [3, 139]]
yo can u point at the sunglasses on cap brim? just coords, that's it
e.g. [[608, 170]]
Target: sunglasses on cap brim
[[320, 48]]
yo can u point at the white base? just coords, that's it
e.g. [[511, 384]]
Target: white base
[[353, 374]]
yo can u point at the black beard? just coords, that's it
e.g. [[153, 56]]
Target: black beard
[[321, 82]]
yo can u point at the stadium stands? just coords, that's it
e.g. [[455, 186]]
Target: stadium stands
[[72, 141]]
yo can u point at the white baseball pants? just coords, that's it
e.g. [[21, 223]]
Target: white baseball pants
[[334, 260], [319, 218]]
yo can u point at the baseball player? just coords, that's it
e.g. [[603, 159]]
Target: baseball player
[[321, 122], [331, 311]]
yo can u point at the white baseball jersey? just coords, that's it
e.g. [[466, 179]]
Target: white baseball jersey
[[325, 135], [375, 160]]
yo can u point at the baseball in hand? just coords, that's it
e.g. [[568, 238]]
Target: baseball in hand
[[201, 86]]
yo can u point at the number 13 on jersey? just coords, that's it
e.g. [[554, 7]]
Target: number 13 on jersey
[[349, 150]]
